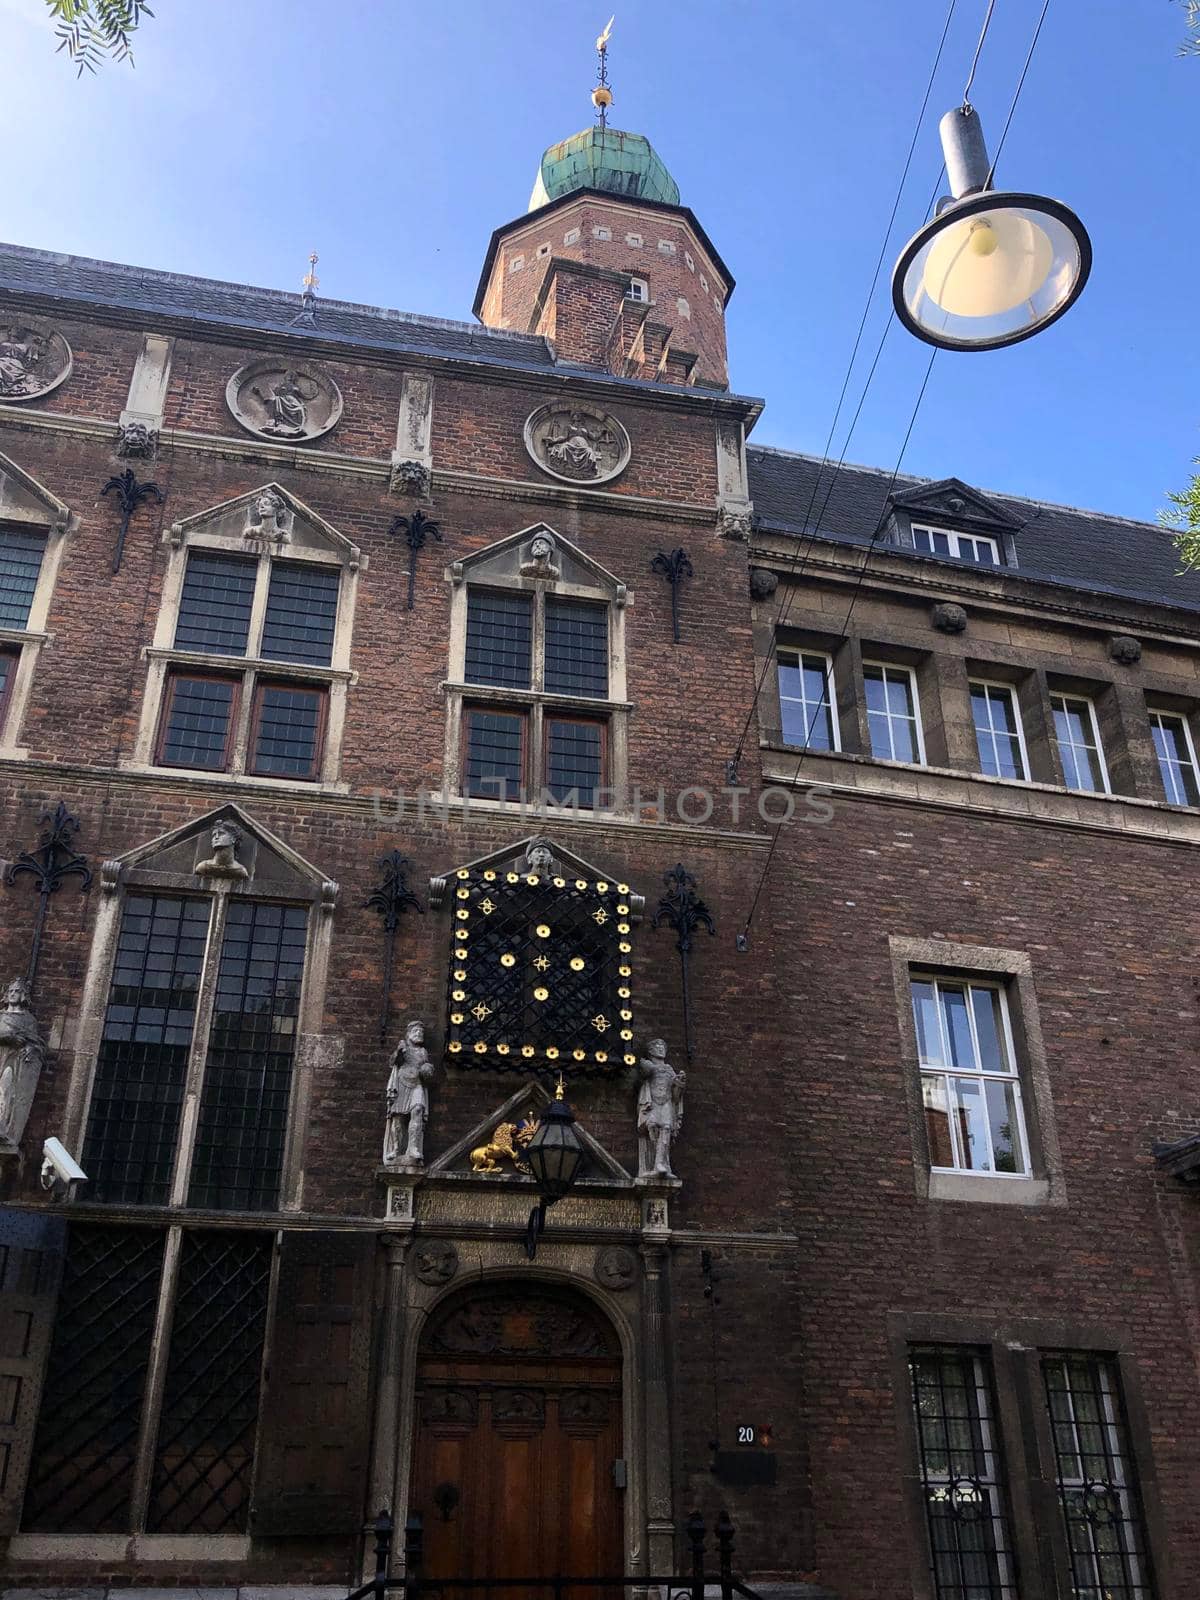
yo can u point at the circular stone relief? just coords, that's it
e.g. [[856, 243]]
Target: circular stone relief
[[576, 444], [33, 360], [276, 401]]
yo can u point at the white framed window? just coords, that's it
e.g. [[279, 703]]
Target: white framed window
[[250, 664], [1176, 757], [806, 702], [893, 713], [970, 1087], [1078, 735], [637, 289], [957, 546], [998, 732]]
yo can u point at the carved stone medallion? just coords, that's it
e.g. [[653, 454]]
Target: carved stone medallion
[[577, 444], [33, 360], [615, 1267], [275, 401], [435, 1261]]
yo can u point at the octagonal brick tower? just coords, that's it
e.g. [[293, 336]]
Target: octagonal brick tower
[[610, 265]]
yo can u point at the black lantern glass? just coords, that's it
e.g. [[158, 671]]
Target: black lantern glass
[[555, 1153]]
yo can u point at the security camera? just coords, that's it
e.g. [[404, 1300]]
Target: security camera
[[61, 1173]]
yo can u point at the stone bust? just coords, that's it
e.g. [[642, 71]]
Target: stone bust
[[22, 1051], [223, 863], [539, 858]]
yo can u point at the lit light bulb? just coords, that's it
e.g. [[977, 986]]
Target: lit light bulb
[[983, 266]]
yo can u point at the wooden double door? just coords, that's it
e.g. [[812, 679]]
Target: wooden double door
[[518, 1449]]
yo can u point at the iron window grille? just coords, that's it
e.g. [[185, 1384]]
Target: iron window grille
[[541, 973], [1077, 733], [21, 554], [973, 547], [248, 955], [999, 736], [204, 1451], [86, 1446], [807, 713], [893, 713], [1096, 1478], [970, 1086], [1176, 758], [962, 1474]]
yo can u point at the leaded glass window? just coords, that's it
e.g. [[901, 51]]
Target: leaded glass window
[[198, 722], [21, 555], [574, 760], [216, 602], [1097, 1478], [499, 638], [495, 753], [541, 971], [248, 1070], [576, 648], [137, 1097], [301, 613], [287, 735], [962, 1474]]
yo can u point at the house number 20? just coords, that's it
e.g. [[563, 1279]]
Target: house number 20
[[745, 1435]]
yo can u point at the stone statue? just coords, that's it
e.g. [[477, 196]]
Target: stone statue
[[659, 1111], [288, 402], [223, 863], [22, 1051], [539, 858], [540, 562], [407, 1100], [19, 356]]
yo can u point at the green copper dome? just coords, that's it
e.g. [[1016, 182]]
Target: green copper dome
[[603, 158]]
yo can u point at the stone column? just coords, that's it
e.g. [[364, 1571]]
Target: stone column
[[660, 1522], [387, 1389]]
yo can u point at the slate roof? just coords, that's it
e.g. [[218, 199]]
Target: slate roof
[[1056, 544], [109, 284]]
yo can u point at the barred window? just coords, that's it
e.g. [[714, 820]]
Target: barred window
[[1097, 1478], [301, 613], [962, 1474], [216, 602], [576, 648], [574, 759], [499, 639], [248, 1072], [197, 722], [21, 555], [289, 722], [147, 1035]]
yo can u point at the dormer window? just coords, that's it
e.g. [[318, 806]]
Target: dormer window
[[536, 687], [637, 289], [956, 546]]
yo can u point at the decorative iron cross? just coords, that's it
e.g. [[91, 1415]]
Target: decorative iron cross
[[682, 909], [130, 494], [416, 529], [391, 897], [674, 568], [53, 861]]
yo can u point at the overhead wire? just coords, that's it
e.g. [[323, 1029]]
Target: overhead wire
[[983, 33], [1017, 92], [795, 571]]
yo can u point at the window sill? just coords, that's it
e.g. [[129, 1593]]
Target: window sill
[[977, 1187], [262, 666], [233, 779], [528, 697]]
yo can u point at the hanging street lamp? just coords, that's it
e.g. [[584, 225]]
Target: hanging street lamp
[[556, 1158], [991, 268]]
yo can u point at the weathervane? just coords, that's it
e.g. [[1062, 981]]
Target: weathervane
[[309, 285], [602, 95]]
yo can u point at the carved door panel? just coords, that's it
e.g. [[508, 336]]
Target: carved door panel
[[519, 1427]]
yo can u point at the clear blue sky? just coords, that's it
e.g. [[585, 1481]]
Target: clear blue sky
[[392, 136]]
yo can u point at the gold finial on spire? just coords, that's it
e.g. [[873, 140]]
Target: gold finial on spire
[[602, 96], [310, 282]]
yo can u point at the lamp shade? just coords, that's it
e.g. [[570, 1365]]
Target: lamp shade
[[990, 270], [555, 1153]]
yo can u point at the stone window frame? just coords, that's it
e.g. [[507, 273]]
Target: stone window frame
[[249, 671], [28, 506], [138, 873], [1015, 1347], [1046, 1182], [955, 535], [495, 568]]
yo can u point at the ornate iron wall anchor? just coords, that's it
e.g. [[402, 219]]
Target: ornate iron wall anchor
[[682, 908], [130, 494], [674, 568], [53, 861], [391, 897], [416, 529]]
